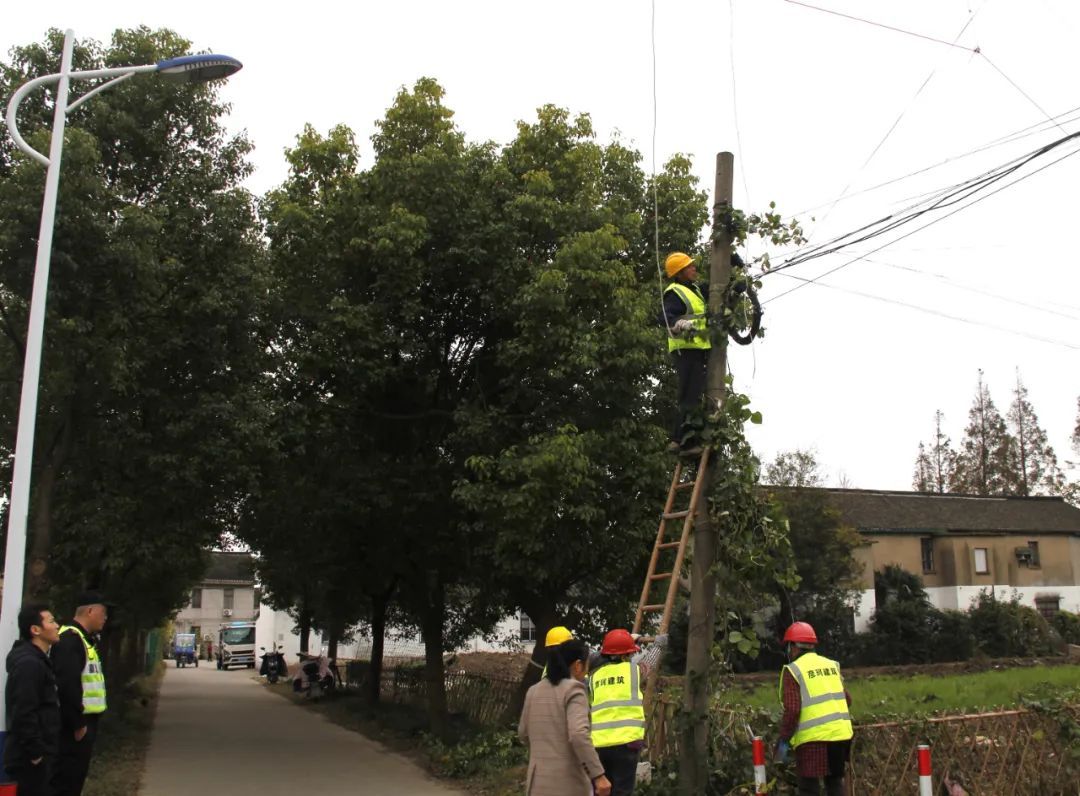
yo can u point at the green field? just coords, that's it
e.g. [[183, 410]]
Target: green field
[[918, 695]]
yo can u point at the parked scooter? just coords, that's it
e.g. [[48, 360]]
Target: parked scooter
[[315, 677], [273, 664]]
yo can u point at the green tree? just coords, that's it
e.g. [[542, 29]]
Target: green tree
[[797, 468], [149, 413], [1034, 466], [983, 463], [935, 465]]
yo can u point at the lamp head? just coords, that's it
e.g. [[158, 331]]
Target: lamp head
[[198, 68]]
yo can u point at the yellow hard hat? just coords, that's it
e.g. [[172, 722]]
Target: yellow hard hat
[[556, 636], [676, 261]]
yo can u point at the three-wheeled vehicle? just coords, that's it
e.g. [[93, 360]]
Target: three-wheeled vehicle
[[184, 650]]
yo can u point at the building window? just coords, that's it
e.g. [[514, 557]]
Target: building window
[[1048, 606], [1034, 554], [927, 554], [228, 599], [528, 629], [982, 563], [196, 598]]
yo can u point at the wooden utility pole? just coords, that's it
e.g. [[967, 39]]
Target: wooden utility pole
[[694, 749]]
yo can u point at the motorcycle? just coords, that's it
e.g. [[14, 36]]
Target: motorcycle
[[315, 677], [273, 664]]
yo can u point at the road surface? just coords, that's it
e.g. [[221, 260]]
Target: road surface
[[223, 732]]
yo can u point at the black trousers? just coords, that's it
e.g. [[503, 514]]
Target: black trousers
[[690, 366], [32, 780], [74, 759], [620, 766], [839, 753]]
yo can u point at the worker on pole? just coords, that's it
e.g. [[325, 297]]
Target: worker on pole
[[684, 317], [817, 721]]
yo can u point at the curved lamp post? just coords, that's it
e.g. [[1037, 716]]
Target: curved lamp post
[[185, 69]]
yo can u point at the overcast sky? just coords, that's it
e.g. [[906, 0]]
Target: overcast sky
[[806, 101]]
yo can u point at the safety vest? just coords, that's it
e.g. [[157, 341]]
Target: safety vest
[[693, 299], [618, 707], [824, 715], [93, 677]]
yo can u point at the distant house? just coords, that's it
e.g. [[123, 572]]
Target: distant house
[[962, 545], [227, 593]]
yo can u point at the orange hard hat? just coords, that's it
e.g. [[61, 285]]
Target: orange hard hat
[[675, 262], [619, 642], [800, 633]]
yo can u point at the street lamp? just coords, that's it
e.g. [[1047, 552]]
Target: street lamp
[[185, 69]]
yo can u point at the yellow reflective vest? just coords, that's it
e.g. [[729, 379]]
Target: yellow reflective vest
[[824, 715], [93, 676], [695, 303], [617, 704]]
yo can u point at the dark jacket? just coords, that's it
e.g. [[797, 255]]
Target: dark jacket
[[33, 710], [68, 660]]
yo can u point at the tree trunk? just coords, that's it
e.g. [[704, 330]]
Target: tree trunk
[[434, 672], [304, 622], [332, 641], [543, 616], [378, 636], [36, 583]]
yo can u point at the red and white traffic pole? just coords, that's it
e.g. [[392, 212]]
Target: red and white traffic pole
[[926, 784], [759, 766]]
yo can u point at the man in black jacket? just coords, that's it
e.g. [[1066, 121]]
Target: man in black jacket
[[80, 682], [33, 709]]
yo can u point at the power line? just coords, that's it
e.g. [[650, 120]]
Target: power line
[[735, 101], [886, 27], [929, 311], [1024, 93], [946, 198]]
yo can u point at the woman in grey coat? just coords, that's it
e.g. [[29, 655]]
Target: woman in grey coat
[[555, 725]]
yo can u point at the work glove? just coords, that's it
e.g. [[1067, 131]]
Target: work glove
[[783, 748], [683, 325]]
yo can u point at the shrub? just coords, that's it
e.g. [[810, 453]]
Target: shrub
[[951, 637], [1067, 625], [1005, 628]]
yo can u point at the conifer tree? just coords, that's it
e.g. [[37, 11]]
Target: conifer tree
[[1033, 464], [935, 465], [982, 465]]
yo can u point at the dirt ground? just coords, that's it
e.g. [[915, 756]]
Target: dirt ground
[[495, 665]]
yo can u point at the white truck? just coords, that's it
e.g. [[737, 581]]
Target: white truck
[[236, 645]]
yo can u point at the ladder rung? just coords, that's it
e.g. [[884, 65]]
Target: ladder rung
[[659, 607], [661, 576], [677, 515], [686, 485], [666, 545]]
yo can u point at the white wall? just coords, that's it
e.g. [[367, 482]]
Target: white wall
[[210, 616], [960, 598], [276, 627]]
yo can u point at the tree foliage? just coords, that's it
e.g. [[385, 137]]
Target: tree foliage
[[1033, 463], [149, 412], [935, 466], [983, 465]]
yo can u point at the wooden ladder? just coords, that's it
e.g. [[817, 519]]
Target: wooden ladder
[[665, 543]]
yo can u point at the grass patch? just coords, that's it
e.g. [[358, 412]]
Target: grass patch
[[921, 695], [123, 738]]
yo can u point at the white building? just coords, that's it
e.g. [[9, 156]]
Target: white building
[[226, 594]]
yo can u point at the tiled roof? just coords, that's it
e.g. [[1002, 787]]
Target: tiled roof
[[884, 511]]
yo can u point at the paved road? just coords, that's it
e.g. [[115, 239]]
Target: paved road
[[223, 732]]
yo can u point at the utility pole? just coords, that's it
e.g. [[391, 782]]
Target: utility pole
[[694, 749]]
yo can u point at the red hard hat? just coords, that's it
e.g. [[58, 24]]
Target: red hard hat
[[619, 642], [800, 633]]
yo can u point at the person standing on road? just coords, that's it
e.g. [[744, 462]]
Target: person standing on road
[[80, 682], [684, 317], [555, 725], [817, 721], [33, 711]]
